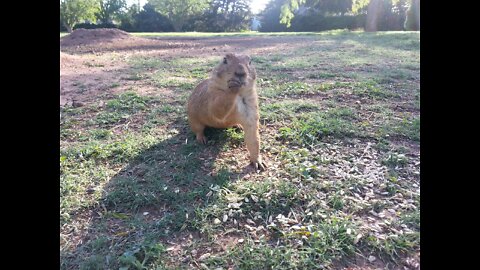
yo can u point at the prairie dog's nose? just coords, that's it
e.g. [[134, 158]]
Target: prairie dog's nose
[[240, 72]]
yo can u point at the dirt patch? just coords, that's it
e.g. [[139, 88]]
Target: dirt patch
[[93, 62], [67, 60], [83, 41]]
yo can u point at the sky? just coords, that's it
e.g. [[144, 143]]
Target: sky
[[257, 5]]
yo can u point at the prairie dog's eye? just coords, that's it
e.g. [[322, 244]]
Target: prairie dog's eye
[[225, 60], [250, 62]]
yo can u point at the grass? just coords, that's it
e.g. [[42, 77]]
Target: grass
[[340, 130]]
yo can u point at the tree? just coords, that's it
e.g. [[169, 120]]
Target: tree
[[323, 7], [75, 11], [270, 17], [179, 11], [330, 6], [360, 6], [384, 14], [110, 9], [127, 19], [224, 16], [373, 13], [412, 22], [287, 9], [149, 20]]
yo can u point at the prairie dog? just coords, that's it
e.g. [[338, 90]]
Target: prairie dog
[[228, 98]]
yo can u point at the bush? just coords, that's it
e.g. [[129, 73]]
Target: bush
[[94, 26], [147, 20], [315, 22]]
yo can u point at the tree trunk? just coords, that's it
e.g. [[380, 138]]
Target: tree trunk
[[177, 24], [69, 28], [417, 12], [412, 20], [373, 13]]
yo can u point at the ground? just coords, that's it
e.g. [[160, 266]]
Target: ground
[[340, 130]]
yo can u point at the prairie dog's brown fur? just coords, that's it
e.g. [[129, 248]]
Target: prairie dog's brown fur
[[228, 98]]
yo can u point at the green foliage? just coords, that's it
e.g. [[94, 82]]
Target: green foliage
[[222, 16], [179, 11], [147, 20], [323, 7], [270, 17], [359, 6], [93, 26], [74, 11], [317, 22], [315, 16], [319, 15], [286, 12], [127, 18], [110, 9]]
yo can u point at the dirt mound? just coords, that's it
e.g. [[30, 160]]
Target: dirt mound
[[91, 36]]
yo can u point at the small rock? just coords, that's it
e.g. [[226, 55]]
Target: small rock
[[204, 256]]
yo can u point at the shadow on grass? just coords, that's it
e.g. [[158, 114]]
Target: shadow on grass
[[151, 203]]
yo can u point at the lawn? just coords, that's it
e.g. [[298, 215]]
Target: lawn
[[340, 131]]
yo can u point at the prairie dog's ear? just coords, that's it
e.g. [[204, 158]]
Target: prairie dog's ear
[[249, 60], [227, 57]]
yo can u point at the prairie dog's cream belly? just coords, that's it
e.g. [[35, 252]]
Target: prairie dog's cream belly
[[246, 111], [242, 109], [239, 115]]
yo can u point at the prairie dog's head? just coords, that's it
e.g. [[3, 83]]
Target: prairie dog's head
[[235, 71]]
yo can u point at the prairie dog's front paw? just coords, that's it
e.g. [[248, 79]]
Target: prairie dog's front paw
[[259, 165]]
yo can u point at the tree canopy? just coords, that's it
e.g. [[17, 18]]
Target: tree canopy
[[179, 11], [75, 11], [110, 9], [236, 15]]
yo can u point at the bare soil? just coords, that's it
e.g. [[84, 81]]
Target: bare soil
[[81, 60]]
